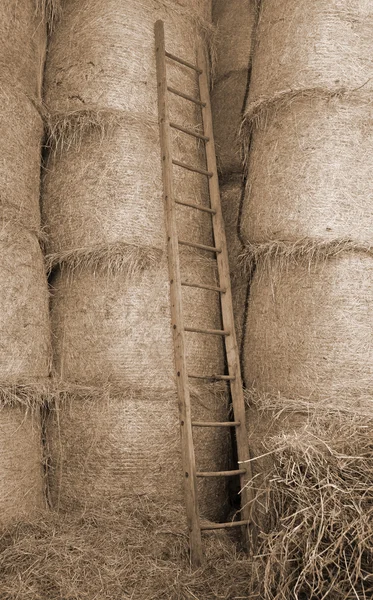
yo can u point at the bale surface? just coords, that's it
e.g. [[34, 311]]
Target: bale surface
[[104, 55], [24, 322], [111, 447], [114, 192], [21, 131], [21, 471], [309, 171], [117, 328], [309, 330], [234, 21], [302, 45], [23, 41]]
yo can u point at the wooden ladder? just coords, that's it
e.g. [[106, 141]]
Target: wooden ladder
[[219, 251]]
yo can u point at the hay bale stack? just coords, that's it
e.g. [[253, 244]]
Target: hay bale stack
[[311, 330], [306, 224], [130, 447], [103, 210], [24, 322], [234, 21]]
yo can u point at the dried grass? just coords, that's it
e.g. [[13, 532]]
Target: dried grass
[[316, 500], [309, 329], [123, 258], [307, 252], [107, 325], [309, 168], [25, 351], [21, 462], [50, 10], [131, 553], [118, 157], [330, 48], [115, 442], [103, 55], [28, 394]]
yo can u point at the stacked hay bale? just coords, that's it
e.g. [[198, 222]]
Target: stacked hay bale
[[234, 21], [24, 321], [307, 222], [114, 433]]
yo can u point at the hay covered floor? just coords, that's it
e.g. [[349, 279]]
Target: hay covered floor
[[135, 553]]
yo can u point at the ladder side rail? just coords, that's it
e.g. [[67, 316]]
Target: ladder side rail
[[231, 347], [188, 457]]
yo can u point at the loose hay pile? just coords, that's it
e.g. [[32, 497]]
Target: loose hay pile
[[317, 501], [107, 555]]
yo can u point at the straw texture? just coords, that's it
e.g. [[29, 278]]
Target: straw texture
[[118, 328], [21, 476], [310, 165], [315, 499], [234, 21], [21, 131], [310, 330], [89, 63], [305, 45], [130, 447], [22, 46], [121, 200]]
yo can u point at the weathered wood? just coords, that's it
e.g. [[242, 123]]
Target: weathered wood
[[233, 362], [212, 377], [232, 473], [228, 525], [183, 62], [207, 331], [190, 482], [183, 165], [215, 423], [186, 96], [189, 131], [199, 246], [204, 286]]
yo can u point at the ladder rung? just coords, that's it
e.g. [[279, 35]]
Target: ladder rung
[[204, 286], [207, 331], [186, 96], [213, 377], [200, 246], [197, 206], [224, 525], [190, 132], [216, 424], [183, 62], [191, 168], [221, 473]]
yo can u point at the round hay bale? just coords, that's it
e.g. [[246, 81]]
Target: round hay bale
[[111, 447], [234, 21], [21, 132], [23, 40], [309, 330], [103, 54], [21, 470], [228, 99], [24, 322], [118, 328], [108, 189], [310, 170], [302, 45]]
